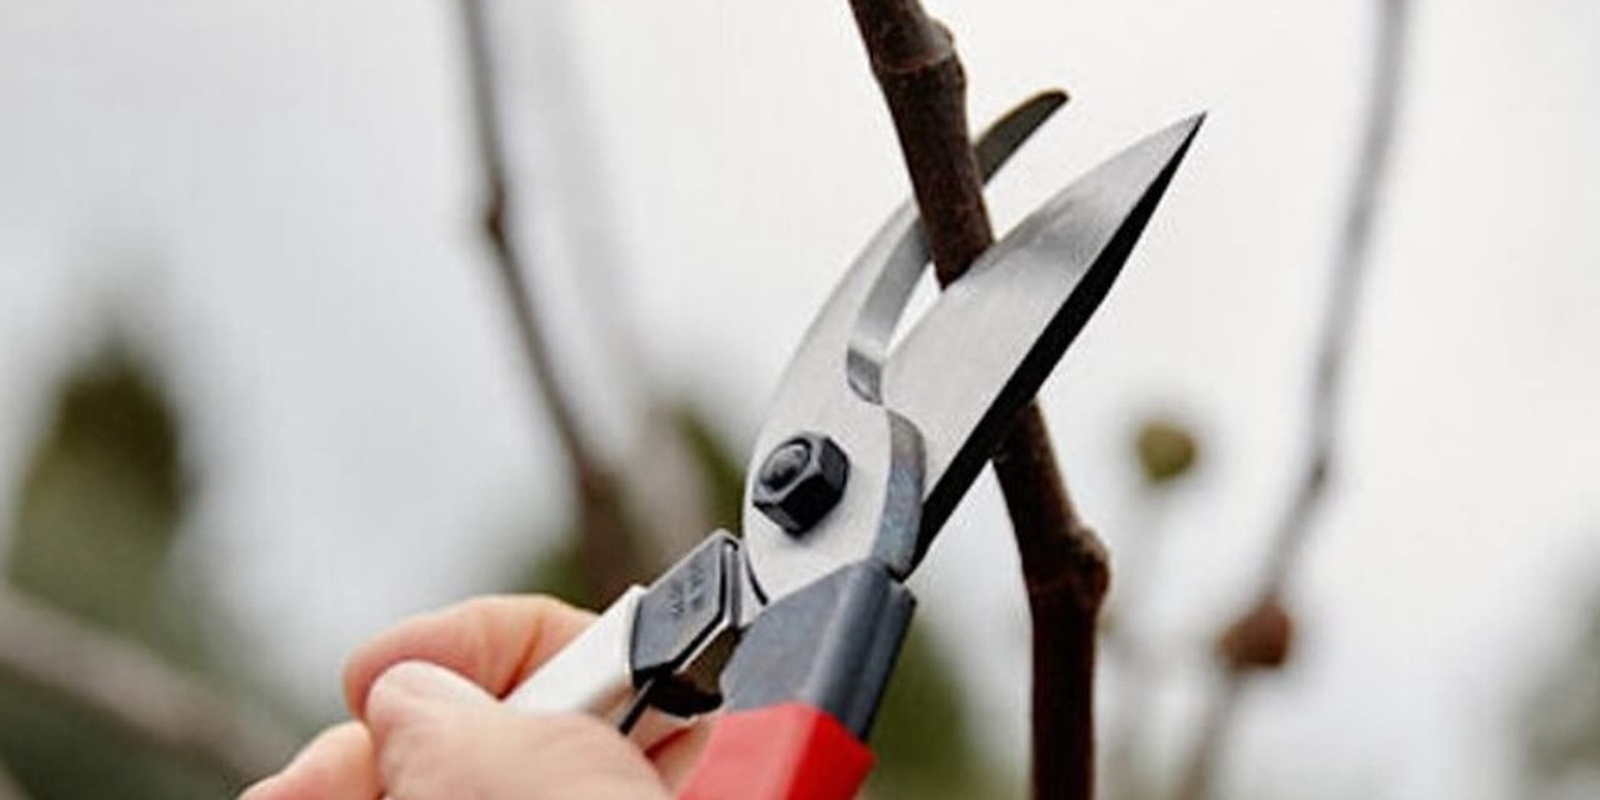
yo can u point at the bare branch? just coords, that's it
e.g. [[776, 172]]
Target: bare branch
[[610, 556], [1067, 572], [1064, 563], [133, 692], [1348, 273], [664, 486]]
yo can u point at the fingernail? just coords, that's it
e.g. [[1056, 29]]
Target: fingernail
[[429, 685]]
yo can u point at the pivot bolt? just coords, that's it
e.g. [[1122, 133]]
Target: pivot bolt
[[801, 481]]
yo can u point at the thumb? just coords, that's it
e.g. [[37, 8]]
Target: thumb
[[439, 737]]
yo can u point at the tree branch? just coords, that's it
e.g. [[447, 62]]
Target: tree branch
[[1064, 563], [610, 554], [133, 692], [1260, 638]]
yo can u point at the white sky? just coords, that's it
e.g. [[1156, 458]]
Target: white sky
[[296, 184]]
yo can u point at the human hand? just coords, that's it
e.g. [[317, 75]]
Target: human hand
[[429, 728]]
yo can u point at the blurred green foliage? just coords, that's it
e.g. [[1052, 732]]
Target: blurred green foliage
[[723, 468], [923, 738], [557, 572], [1167, 450], [100, 508], [102, 502]]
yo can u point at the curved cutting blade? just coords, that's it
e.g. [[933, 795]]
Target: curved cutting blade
[[982, 352], [831, 386]]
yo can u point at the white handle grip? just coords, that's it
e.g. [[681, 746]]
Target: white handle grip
[[592, 674]]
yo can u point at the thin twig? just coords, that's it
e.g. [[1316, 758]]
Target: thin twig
[[133, 692], [1348, 273], [609, 554], [664, 485], [1064, 563]]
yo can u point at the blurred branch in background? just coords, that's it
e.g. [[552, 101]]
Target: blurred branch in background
[[608, 540], [638, 510], [1064, 564], [1260, 638], [1167, 452], [130, 689]]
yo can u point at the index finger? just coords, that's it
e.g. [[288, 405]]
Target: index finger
[[495, 642]]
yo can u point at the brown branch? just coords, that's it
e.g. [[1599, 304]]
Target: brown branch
[[1243, 650], [133, 692], [1064, 564], [610, 557]]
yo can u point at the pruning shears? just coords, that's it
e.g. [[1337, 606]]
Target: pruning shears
[[793, 629]]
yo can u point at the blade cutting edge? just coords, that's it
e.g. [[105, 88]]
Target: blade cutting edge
[[980, 354]]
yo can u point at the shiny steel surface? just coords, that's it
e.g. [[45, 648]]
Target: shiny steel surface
[[832, 385], [982, 352], [918, 423]]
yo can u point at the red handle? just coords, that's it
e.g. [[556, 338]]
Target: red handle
[[784, 752]]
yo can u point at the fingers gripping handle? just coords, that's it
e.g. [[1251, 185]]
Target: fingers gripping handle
[[646, 633], [593, 674]]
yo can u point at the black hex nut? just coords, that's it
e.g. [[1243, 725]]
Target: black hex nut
[[801, 481]]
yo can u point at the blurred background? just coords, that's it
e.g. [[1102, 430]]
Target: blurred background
[[262, 393]]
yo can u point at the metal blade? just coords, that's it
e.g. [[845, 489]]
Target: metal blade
[[831, 385], [898, 272], [867, 301], [1001, 139], [982, 352]]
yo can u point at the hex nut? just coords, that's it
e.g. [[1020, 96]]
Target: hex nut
[[801, 481]]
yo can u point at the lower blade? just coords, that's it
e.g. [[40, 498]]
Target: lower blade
[[982, 352]]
